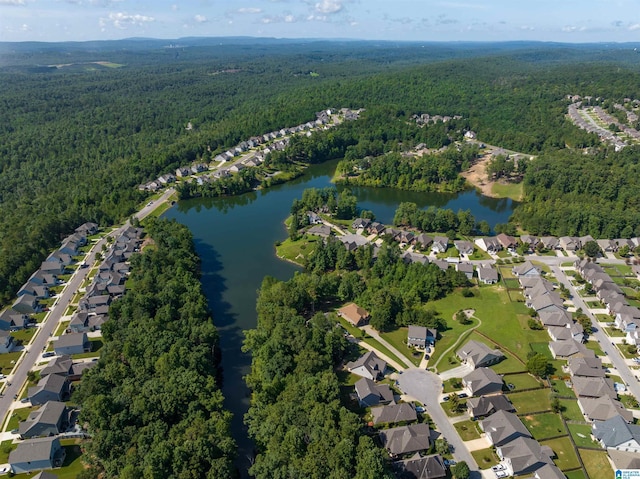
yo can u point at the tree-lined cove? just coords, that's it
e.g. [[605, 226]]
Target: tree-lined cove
[[235, 238]]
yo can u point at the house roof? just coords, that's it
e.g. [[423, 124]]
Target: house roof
[[524, 453], [547, 300], [615, 431], [33, 450], [365, 387], [477, 353], [566, 348], [71, 339], [487, 273], [484, 405], [406, 439], [549, 471], [525, 267], [393, 413], [58, 365], [587, 367], [465, 267], [417, 332], [593, 387], [482, 378], [52, 383], [506, 240], [502, 426], [624, 460], [371, 362], [555, 318], [429, 467], [603, 408], [463, 246], [50, 413]]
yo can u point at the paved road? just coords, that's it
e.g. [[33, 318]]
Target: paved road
[[46, 329], [605, 342], [426, 387]]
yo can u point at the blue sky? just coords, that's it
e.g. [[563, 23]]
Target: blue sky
[[422, 20]]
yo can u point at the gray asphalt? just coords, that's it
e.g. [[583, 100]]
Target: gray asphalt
[[426, 387]]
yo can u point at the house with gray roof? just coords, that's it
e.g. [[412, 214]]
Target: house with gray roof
[[50, 388], [421, 336], [371, 394], [35, 454], [26, 304], [482, 381], [555, 318], [423, 240], [507, 242], [486, 405], [586, 367], [524, 456], [324, 231], [406, 439], [616, 433], [12, 320], [88, 228], [603, 408], [569, 243], [440, 244], [572, 331], [593, 387], [428, 467], [549, 471], [488, 243], [477, 354], [72, 343], [466, 268], [624, 459], [550, 242], [503, 427], [464, 247], [50, 420], [7, 342], [526, 270], [369, 366], [569, 348], [393, 413], [487, 275], [45, 475]]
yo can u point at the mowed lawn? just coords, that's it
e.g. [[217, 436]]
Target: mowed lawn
[[544, 426], [398, 339], [566, 456], [503, 321], [468, 430], [581, 434], [531, 401], [596, 463], [522, 381]]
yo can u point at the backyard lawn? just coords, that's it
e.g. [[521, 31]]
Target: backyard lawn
[[543, 426], [485, 458], [577, 474], [297, 251], [566, 455], [468, 430], [24, 335], [96, 346], [596, 464], [522, 381], [562, 389], [571, 410], [581, 434], [531, 401]]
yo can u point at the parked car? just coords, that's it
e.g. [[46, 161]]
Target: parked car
[[48, 354], [463, 395], [446, 398], [420, 409]]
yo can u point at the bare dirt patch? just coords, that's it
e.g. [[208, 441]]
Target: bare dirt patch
[[477, 176]]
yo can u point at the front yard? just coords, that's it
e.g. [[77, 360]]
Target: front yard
[[468, 430], [485, 458]]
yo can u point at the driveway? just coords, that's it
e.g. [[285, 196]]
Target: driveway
[[457, 372], [426, 387]]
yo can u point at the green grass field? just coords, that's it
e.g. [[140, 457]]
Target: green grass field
[[596, 464], [522, 381], [531, 401], [566, 455], [562, 389], [581, 434], [577, 474], [508, 190], [18, 415], [571, 410], [485, 458], [8, 361], [595, 347], [358, 333], [398, 339], [468, 430], [5, 449], [297, 251], [543, 426]]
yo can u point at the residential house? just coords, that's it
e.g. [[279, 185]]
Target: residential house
[[6, 342], [616, 433], [35, 454], [96, 304], [87, 228], [236, 168], [31, 289], [376, 228], [569, 243], [65, 367], [63, 258], [623, 459], [314, 219], [531, 242], [507, 242], [423, 241], [607, 245], [369, 366], [50, 388], [43, 279], [526, 269], [551, 302], [406, 237], [81, 322], [406, 439], [360, 223], [372, 394], [420, 336], [603, 408], [569, 348], [354, 314], [550, 242], [524, 456], [555, 318], [394, 413], [466, 268], [428, 467], [50, 420], [573, 331], [440, 244], [464, 247], [26, 304], [477, 354], [549, 471], [45, 475], [486, 405], [12, 320], [488, 244], [442, 264], [324, 231], [182, 172], [353, 241], [586, 367], [72, 343], [503, 427], [482, 381], [410, 257], [487, 275], [593, 387], [392, 233]]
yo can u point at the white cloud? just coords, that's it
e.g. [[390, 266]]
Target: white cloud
[[329, 6], [175, 7], [635, 26], [527, 28], [12, 2], [123, 20], [200, 18], [249, 10]]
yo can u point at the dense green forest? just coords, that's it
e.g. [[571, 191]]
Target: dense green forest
[[75, 142], [152, 402]]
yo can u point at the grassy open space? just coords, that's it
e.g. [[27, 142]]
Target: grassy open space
[[398, 339], [566, 455], [297, 251], [453, 384], [96, 346], [5, 449], [504, 321], [581, 434], [594, 346], [485, 458], [543, 426], [447, 408], [577, 474], [24, 335], [531, 401], [8, 360], [62, 327], [562, 389], [478, 254], [508, 190], [359, 333], [596, 464], [618, 270], [571, 410], [522, 381], [614, 332], [18, 415], [468, 430]]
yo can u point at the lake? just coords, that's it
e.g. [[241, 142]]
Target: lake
[[235, 239]]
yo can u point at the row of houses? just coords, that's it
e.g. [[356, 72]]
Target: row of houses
[[412, 438], [603, 133]]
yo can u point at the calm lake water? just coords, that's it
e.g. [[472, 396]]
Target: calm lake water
[[235, 238]]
